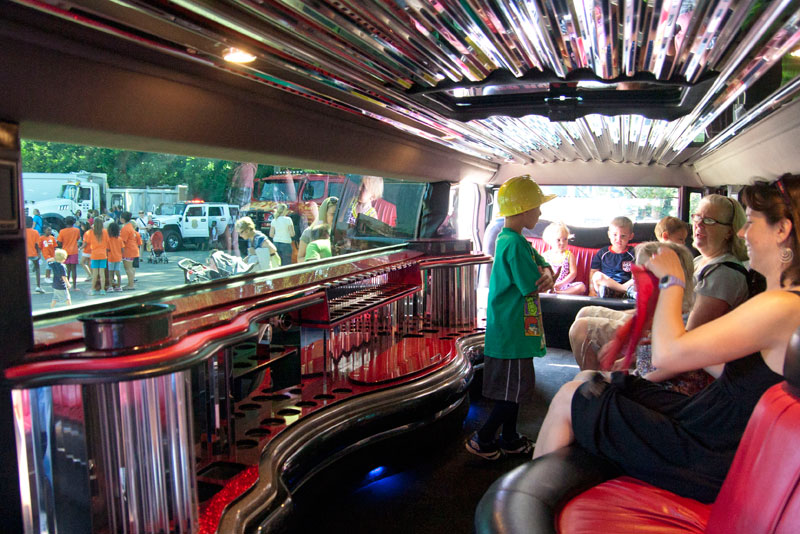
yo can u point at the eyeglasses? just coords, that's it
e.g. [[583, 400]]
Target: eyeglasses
[[707, 221]]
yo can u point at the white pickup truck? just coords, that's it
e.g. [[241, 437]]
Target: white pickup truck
[[190, 222]]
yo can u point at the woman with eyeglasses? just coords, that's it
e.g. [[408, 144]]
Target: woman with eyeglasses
[[720, 277], [686, 443], [715, 228]]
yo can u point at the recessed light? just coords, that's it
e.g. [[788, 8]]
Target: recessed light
[[234, 55]]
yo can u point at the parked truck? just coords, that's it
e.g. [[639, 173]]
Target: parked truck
[[85, 191], [190, 222]]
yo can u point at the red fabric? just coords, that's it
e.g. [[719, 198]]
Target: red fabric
[[387, 212], [627, 505], [627, 336], [157, 240], [762, 490]]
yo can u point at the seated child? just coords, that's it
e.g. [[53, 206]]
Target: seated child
[[672, 229], [556, 235], [320, 245], [595, 326], [610, 274]]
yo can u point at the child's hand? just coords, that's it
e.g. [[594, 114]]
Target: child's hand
[[546, 280]]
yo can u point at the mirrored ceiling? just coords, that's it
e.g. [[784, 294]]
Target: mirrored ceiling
[[646, 82]]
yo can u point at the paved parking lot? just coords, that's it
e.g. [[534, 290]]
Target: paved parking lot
[[149, 276]]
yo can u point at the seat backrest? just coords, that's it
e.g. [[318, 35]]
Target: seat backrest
[[762, 490]]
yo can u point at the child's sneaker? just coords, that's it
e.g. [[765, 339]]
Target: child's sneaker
[[102, 292], [39, 289], [93, 292], [522, 445], [489, 451]]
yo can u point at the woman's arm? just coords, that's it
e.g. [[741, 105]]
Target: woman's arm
[[764, 323], [291, 227], [268, 244], [301, 251]]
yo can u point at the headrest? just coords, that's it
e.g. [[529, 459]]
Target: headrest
[[791, 365]]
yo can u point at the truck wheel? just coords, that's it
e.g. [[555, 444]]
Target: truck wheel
[[54, 221], [172, 240]]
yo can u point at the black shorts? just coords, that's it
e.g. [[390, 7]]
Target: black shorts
[[508, 380]]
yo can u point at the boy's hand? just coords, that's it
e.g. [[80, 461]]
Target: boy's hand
[[546, 280]]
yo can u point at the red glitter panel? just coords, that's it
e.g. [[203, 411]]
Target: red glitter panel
[[209, 518]]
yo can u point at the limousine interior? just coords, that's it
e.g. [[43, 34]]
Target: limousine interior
[[209, 408]]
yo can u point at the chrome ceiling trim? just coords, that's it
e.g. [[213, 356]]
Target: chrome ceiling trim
[[362, 55], [353, 83], [772, 103], [736, 77]]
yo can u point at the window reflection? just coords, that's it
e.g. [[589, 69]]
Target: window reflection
[[183, 213]]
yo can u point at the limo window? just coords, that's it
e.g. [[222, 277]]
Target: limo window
[[595, 206], [150, 182], [392, 216]]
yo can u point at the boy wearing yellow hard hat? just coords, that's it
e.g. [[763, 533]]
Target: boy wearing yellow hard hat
[[514, 329]]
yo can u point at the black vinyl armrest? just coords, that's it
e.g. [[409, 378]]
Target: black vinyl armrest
[[527, 499]]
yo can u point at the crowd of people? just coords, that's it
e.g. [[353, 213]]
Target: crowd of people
[[102, 245], [292, 238], [655, 422]]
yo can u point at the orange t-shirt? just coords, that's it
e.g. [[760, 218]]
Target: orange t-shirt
[[114, 249], [48, 245], [130, 247], [87, 245], [31, 240], [69, 240], [99, 246]]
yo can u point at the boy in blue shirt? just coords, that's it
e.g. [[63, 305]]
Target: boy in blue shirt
[[514, 329], [610, 274]]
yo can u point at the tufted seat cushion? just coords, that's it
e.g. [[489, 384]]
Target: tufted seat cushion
[[617, 506]]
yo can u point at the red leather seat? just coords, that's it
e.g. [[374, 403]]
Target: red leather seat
[[761, 493], [583, 258]]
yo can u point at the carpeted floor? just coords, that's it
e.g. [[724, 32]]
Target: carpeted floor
[[438, 491]]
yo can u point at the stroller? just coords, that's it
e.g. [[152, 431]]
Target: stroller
[[219, 265], [156, 248]]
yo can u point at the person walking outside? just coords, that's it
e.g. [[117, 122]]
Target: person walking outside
[[130, 248], [282, 232]]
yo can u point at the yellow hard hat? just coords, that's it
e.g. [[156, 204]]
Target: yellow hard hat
[[520, 194]]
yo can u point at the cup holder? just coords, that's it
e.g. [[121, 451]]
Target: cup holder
[[128, 327]]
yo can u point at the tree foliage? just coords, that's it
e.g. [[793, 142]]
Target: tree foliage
[[207, 178]]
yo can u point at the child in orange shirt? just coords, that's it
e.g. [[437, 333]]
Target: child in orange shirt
[[32, 247], [47, 244], [97, 240], [68, 239], [114, 257]]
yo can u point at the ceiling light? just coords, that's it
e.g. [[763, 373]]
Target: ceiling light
[[234, 55]]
